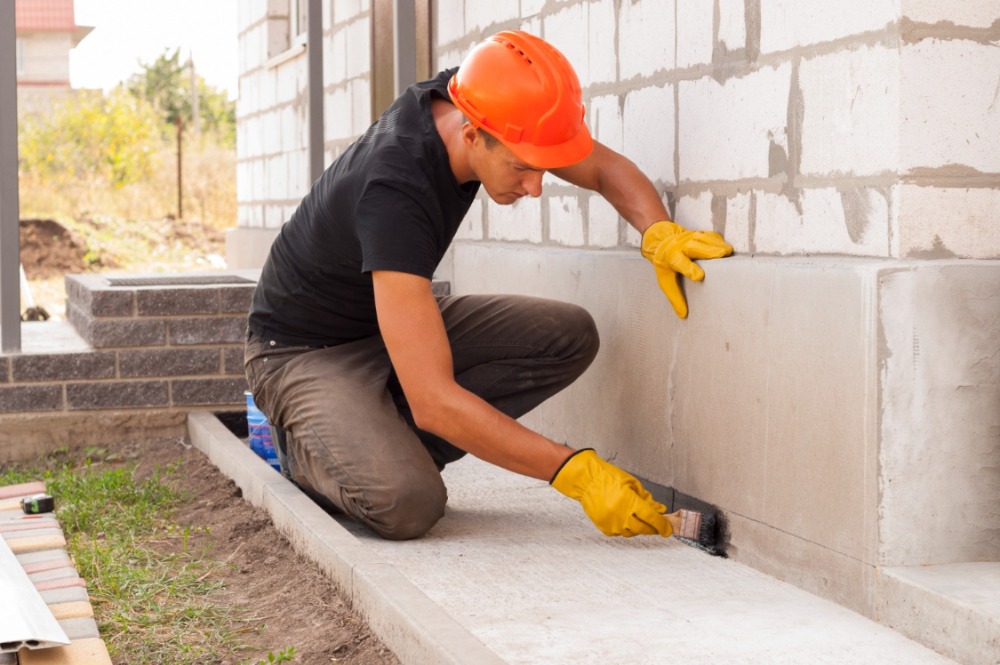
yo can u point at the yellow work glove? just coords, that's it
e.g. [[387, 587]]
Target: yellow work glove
[[671, 248], [614, 501]]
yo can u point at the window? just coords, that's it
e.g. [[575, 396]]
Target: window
[[287, 25], [19, 56], [298, 19]]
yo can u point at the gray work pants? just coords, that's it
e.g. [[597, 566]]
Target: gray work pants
[[353, 445]]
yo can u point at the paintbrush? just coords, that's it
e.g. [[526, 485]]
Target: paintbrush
[[701, 529]]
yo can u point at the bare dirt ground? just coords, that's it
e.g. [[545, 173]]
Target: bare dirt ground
[[49, 249], [298, 604]]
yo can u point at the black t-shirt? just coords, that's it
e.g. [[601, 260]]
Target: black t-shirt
[[389, 202]]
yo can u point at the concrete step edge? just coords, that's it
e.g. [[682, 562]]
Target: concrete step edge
[[413, 626], [940, 619]]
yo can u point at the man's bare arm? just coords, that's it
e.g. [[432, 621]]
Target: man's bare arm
[[621, 183], [414, 334]]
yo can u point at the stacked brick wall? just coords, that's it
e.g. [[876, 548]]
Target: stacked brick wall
[[164, 347]]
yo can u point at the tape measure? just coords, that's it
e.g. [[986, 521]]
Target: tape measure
[[37, 504]]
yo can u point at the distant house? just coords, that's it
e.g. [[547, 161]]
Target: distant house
[[46, 32]]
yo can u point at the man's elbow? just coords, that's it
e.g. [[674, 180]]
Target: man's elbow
[[433, 415], [429, 418]]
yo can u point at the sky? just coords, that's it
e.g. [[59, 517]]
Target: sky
[[129, 32]]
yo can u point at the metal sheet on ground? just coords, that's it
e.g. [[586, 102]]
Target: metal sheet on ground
[[25, 619]]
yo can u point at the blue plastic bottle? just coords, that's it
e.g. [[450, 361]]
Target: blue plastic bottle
[[259, 430]]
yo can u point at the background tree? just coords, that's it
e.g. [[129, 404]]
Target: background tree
[[166, 84]]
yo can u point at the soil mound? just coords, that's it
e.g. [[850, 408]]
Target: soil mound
[[49, 249]]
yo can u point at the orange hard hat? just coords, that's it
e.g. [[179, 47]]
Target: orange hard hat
[[524, 92]]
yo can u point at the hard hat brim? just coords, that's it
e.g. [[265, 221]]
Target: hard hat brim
[[552, 156]]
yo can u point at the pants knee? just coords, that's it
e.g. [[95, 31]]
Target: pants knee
[[408, 511], [580, 339]]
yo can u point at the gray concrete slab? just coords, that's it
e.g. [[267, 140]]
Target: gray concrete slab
[[516, 573], [525, 571]]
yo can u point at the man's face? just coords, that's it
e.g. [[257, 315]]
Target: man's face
[[504, 177]]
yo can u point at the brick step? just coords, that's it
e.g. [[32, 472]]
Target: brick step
[[39, 547]]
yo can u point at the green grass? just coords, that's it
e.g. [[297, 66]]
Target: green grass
[[150, 588]]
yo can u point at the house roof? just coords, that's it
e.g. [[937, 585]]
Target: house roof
[[44, 15]]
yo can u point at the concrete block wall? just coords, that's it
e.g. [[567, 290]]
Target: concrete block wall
[[272, 124], [834, 390], [145, 352], [794, 129]]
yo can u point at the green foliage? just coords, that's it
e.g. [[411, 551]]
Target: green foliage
[[91, 137], [105, 165], [166, 84]]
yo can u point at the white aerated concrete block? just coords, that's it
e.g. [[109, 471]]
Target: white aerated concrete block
[[603, 220], [821, 223], [646, 37], [252, 144], [276, 174], [649, 131], [472, 225], [566, 221], [564, 30], [521, 221], [335, 66], [450, 25], [737, 229], [479, 15], [850, 123], [605, 121], [291, 78], [973, 13], [732, 24], [361, 108], [950, 106], [694, 17], [271, 126], [344, 10], [788, 24], [949, 222], [274, 216], [726, 130], [292, 132], [601, 26], [359, 48], [337, 109], [695, 212]]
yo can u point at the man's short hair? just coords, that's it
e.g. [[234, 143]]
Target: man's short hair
[[488, 138]]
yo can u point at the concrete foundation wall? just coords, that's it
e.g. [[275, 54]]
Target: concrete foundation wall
[[788, 399], [939, 340]]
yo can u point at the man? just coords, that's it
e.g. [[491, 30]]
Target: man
[[379, 383]]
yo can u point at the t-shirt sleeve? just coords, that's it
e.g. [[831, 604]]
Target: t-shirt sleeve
[[396, 232]]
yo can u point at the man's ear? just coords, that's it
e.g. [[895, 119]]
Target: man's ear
[[469, 134]]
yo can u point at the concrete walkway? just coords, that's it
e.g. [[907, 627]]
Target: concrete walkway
[[516, 573]]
